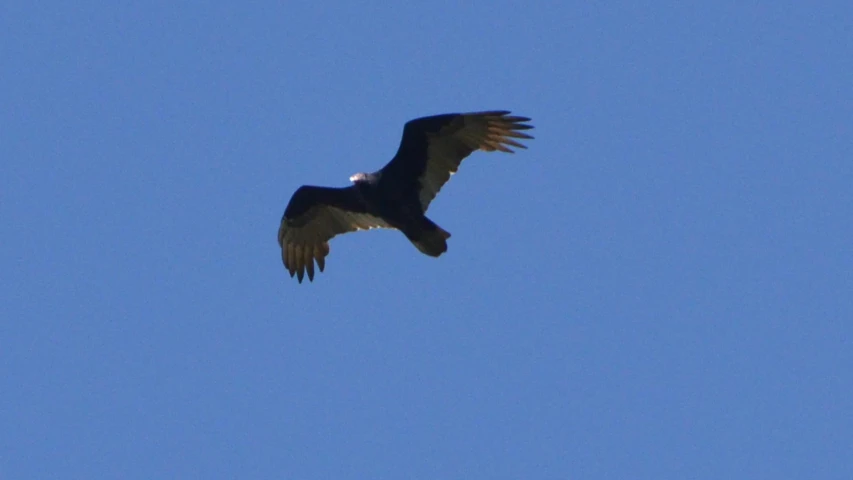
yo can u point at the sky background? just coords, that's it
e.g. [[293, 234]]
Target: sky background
[[660, 287]]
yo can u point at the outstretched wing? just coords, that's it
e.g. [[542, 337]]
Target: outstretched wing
[[315, 215], [433, 147]]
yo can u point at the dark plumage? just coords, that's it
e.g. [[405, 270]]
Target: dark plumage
[[398, 195]]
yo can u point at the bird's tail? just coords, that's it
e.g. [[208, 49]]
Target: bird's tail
[[430, 238]]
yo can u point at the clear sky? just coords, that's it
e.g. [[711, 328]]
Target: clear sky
[[661, 287]]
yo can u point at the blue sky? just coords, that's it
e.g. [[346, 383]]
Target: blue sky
[[660, 287]]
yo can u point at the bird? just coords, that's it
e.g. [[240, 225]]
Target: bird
[[398, 195]]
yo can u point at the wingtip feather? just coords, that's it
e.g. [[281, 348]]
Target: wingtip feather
[[320, 252], [309, 262]]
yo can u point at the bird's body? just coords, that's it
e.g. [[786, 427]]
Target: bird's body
[[398, 195]]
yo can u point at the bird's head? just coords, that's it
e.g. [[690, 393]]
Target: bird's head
[[364, 178], [358, 177]]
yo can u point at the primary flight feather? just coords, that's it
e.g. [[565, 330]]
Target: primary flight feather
[[398, 195]]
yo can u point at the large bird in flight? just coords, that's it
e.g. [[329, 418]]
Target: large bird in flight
[[398, 195]]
